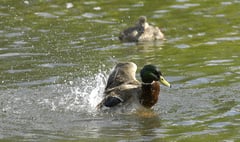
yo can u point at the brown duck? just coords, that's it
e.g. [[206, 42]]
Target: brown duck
[[142, 31], [123, 89]]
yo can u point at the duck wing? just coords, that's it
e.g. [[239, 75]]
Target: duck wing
[[120, 94], [123, 73], [131, 34], [151, 33]]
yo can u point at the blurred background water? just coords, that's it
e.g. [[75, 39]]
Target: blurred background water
[[55, 57]]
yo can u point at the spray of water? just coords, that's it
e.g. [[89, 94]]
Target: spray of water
[[85, 93]]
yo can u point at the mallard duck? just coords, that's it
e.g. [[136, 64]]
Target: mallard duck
[[142, 31], [123, 88]]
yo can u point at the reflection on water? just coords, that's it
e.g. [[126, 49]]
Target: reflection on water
[[55, 57]]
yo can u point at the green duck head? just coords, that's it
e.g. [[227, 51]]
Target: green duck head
[[150, 73]]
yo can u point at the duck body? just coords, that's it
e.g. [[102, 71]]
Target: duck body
[[142, 31], [123, 89], [150, 96]]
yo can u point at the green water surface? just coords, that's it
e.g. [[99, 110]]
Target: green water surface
[[55, 56]]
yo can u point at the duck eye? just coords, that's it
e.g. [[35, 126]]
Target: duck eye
[[161, 78]]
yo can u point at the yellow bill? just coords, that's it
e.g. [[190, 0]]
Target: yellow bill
[[164, 82]]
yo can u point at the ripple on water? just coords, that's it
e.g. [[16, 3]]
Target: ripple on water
[[45, 15], [198, 81], [92, 15], [220, 124], [235, 69], [69, 5], [234, 111], [13, 34], [185, 6], [219, 62], [53, 65], [6, 55], [4, 14], [182, 46], [12, 71], [140, 4], [182, 0], [228, 39], [211, 43], [159, 13], [20, 42], [226, 3], [90, 2], [102, 21], [187, 123], [50, 80], [123, 9]]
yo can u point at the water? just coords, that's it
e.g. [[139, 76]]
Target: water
[[55, 58]]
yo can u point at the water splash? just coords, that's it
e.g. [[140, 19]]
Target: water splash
[[88, 93], [80, 95]]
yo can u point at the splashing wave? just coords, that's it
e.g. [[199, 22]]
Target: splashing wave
[[81, 95], [88, 94]]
